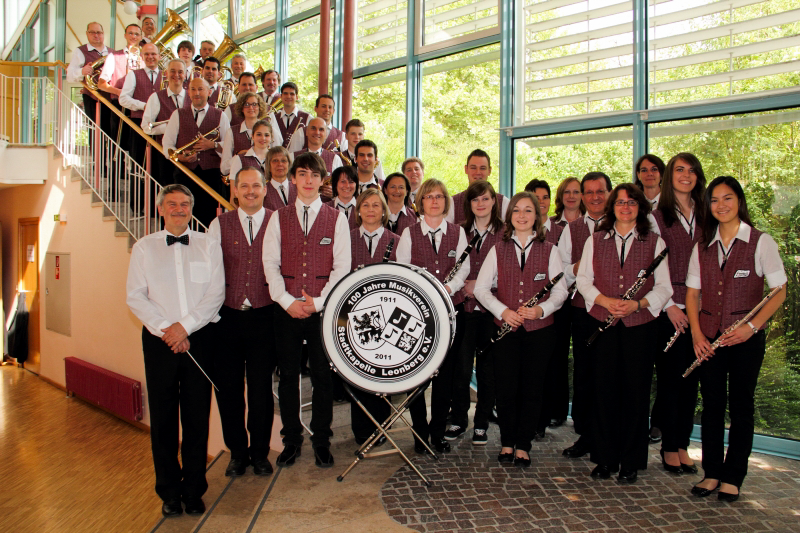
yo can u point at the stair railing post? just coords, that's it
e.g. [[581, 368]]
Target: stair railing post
[[147, 179], [97, 147]]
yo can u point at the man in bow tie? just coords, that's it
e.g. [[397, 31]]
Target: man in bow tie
[[176, 286]]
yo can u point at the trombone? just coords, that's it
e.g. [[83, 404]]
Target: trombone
[[186, 148]]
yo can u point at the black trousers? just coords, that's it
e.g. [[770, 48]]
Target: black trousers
[[520, 368], [582, 372], [245, 347], [290, 333], [732, 375], [177, 388], [556, 389], [361, 424], [622, 361], [676, 396], [205, 206], [442, 391], [478, 328]]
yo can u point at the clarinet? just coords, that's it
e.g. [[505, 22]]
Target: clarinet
[[388, 251], [630, 293], [735, 325], [506, 328], [464, 256]]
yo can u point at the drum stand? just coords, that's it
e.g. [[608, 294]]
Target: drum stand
[[385, 429]]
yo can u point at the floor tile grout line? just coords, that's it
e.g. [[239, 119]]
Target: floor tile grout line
[[263, 501], [214, 506]]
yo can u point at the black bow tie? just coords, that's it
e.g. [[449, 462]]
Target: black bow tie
[[183, 239]]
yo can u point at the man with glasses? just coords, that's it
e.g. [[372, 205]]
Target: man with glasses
[[80, 66], [478, 168]]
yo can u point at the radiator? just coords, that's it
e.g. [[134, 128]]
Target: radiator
[[113, 392]]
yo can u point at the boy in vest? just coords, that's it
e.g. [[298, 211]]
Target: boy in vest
[[306, 252]]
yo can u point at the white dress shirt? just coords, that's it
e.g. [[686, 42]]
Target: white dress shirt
[[297, 142], [109, 66], [235, 164], [153, 108], [406, 212], [767, 258], [565, 247], [74, 74], [657, 297], [281, 186], [227, 146], [654, 201], [171, 133], [178, 283], [487, 280], [348, 208], [271, 255], [126, 98], [405, 252], [378, 235]]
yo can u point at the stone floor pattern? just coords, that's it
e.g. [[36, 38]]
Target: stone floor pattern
[[472, 492]]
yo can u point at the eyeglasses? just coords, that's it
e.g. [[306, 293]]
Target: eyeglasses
[[250, 104], [437, 197], [623, 203]]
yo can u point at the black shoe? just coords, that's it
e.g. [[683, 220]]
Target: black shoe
[[171, 508], [556, 422], [601, 472], [304, 371], [237, 467], [381, 441], [668, 467], [493, 417], [727, 497], [340, 399], [323, 457], [479, 437], [627, 476], [420, 448], [505, 458], [194, 506], [441, 446], [288, 455], [689, 469], [702, 492], [522, 462], [262, 467], [454, 431], [579, 449], [540, 434], [655, 435]]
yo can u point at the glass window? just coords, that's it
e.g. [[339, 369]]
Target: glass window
[[379, 101], [175, 4], [708, 49], [298, 6], [460, 112], [577, 58], [758, 150], [303, 66], [253, 13], [553, 158], [261, 52], [52, 22], [446, 19], [381, 31], [213, 20]]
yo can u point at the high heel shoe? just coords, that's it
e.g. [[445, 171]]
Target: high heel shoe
[[668, 467], [689, 469], [728, 497], [703, 492]]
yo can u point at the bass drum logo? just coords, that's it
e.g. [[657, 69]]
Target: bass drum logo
[[386, 329]]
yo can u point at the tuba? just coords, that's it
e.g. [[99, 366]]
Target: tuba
[[226, 49], [97, 67], [173, 27]]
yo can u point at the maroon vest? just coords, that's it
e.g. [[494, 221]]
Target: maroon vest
[[612, 280], [360, 254], [90, 56], [167, 107], [241, 141], [144, 88], [476, 259], [405, 219], [326, 156], [442, 262], [188, 130], [273, 199], [236, 119], [680, 250], [727, 298], [305, 263], [295, 126], [555, 222], [516, 286], [250, 161], [213, 97], [578, 232], [244, 272], [554, 233], [351, 216]]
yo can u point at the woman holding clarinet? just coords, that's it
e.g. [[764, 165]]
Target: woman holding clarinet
[[729, 267], [620, 254], [519, 267]]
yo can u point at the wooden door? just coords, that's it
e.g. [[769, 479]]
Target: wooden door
[[28, 259]]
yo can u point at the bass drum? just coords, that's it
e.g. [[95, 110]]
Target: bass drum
[[386, 327]]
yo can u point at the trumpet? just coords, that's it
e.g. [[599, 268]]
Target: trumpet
[[186, 148]]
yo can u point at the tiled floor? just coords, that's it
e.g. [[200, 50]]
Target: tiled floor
[[473, 492]]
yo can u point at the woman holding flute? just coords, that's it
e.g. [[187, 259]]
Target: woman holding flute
[[729, 267]]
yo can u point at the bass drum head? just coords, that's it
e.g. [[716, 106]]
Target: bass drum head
[[386, 328]]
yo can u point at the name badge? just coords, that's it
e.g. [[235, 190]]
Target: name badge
[[741, 274], [540, 276], [451, 253], [641, 273], [324, 241]]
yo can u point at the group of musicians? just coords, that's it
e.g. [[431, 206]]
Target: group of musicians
[[617, 273]]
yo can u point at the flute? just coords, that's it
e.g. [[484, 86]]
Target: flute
[[735, 325], [673, 339], [630, 293], [464, 256], [506, 327]]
